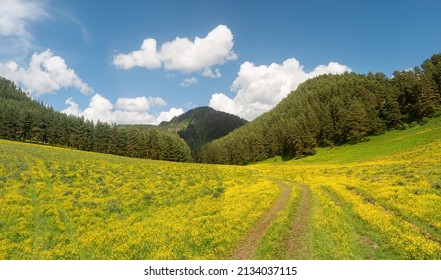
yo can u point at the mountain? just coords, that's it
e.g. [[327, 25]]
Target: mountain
[[24, 119], [322, 112], [202, 125], [333, 110]]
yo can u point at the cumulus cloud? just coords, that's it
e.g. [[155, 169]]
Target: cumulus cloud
[[182, 54], [100, 108], [146, 57], [168, 115], [221, 102], [45, 73], [15, 18], [73, 108], [124, 111], [138, 104], [259, 88]]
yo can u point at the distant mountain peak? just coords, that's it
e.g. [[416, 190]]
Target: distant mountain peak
[[201, 125]]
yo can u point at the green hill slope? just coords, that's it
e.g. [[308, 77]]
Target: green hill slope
[[202, 125], [374, 147], [58, 203], [24, 119], [379, 199], [332, 110]]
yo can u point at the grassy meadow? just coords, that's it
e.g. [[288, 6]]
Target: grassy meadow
[[65, 204], [380, 199]]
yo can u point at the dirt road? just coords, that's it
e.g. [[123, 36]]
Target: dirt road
[[249, 245], [297, 247], [296, 244]]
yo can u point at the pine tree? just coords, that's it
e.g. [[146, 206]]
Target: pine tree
[[101, 137], [133, 142], [408, 85], [153, 145], [429, 100], [39, 126], [24, 125]]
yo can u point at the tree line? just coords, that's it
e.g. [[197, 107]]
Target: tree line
[[333, 110], [325, 111], [23, 119]]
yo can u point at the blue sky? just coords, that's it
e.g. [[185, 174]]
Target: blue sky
[[86, 57]]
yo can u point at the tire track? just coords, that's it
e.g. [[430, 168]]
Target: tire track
[[249, 245], [297, 246]]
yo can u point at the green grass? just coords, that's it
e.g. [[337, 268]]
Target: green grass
[[59, 203], [273, 244], [380, 199], [365, 242], [373, 147]]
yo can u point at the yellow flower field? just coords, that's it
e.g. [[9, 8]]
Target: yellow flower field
[[372, 200], [385, 208], [64, 204]]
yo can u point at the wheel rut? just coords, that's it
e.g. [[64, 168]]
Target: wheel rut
[[246, 250], [297, 246]]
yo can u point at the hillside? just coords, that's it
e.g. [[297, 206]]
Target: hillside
[[379, 199], [377, 147], [202, 125], [24, 119], [59, 203], [326, 111], [332, 110]]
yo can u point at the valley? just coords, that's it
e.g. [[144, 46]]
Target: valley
[[347, 202]]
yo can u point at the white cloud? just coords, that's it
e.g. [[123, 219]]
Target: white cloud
[[124, 111], [73, 108], [146, 57], [45, 73], [15, 14], [259, 88], [209, 73], [188, 82], [138, 104], [182, 54], [221, 102], [99, 108], [15, 18], [168, 115]]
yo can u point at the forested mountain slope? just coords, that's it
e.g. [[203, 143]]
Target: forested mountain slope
[[331, 110], [202, 125], [325, 111], [24, 119]]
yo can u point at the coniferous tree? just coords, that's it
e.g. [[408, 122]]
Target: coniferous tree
[[429, 100], [122, 141], [101, 137], [24, 125], [326, 110], [38, 128], [408, 85], [153, 145]]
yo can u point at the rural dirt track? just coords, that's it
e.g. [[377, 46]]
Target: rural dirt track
[[296, 243], [249, 245], [297, 247]]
